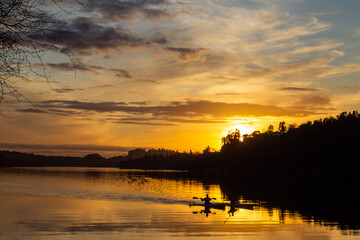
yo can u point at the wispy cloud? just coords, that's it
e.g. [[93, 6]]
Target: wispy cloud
[[79, 66], [321, 13], [298, 89], [67, 90], [31, 110], [187, 54], [312, 100], [161, 120], [181, 109], [66, 147], [229, 94]]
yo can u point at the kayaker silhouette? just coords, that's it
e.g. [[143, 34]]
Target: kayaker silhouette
[[206, 199]]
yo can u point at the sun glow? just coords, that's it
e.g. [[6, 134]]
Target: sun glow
[[244, 129]]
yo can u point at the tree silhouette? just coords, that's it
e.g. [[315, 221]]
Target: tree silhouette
[[282, 127], [20, 22], [270, 129], [233, 137]]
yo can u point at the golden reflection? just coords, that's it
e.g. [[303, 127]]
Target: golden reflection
[[149, 205]]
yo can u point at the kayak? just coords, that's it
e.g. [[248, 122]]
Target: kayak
[[222, 206], [249, 206]]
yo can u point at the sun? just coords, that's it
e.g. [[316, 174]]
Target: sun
[[244, 129]]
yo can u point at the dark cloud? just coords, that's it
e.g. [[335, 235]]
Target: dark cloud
[[102, 86], [88, 68], [148, 81], [179, 109], [67, 90], [83, 35], [66, 147], [69, 66], [124, 10], [91, 106], [314, 100], [118, 72], [156, 14], [299, 89], [139, 103], [31, 110], [187, 54], [64, 112]]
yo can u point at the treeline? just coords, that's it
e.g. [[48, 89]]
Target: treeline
[[324, 147], [18, 159]]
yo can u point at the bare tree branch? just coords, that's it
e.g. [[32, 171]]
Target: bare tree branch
[[20, 22]]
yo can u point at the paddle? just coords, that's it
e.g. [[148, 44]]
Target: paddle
[[200, 198]]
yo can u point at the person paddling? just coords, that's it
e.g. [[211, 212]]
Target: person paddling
[[206, 199]]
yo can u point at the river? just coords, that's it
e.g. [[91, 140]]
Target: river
[[104, 203]]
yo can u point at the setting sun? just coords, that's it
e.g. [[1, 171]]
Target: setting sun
[[243, 127]]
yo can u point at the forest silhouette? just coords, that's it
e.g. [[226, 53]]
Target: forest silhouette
[[322, 148]]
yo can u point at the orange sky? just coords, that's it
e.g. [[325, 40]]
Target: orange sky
[[179, 75]]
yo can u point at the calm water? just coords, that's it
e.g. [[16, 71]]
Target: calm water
[[88, 203]]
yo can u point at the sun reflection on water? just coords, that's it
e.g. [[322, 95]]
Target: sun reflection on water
[[137, 204]]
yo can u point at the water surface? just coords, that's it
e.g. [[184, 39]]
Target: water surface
[[95, 203]]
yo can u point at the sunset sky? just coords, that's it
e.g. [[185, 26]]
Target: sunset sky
[[180, 74]]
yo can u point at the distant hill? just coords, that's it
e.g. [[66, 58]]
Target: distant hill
[[18, 159]]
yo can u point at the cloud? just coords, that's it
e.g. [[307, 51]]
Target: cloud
[[315, 67], [228, 94], [79, 66], [139, 103], [67, 90], [115, 10], [31, 110], [346, 87], [320, 13], [189, 109], [90, 106], [84, 36], [187, 54], [313, 100], [64, 112], [155, 120], [147, 81], [155, 14], [143, 123], [298, 89], [66, 147], [102, 86], [118, 72]]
